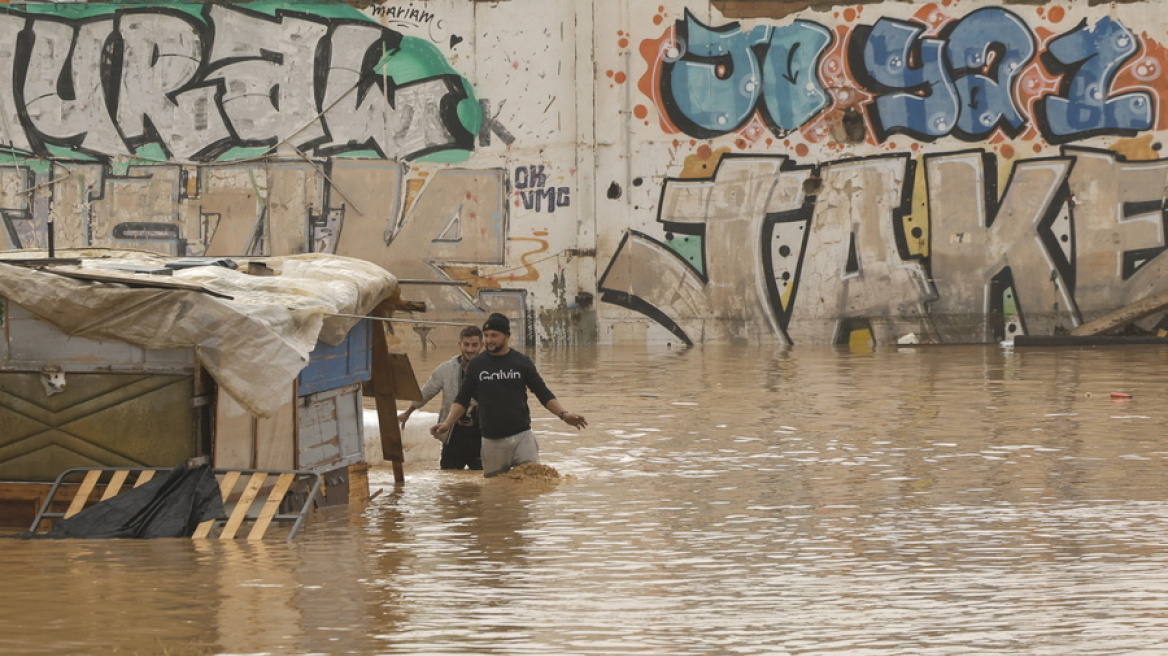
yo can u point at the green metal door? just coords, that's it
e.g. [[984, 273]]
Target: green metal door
[[98, 420]]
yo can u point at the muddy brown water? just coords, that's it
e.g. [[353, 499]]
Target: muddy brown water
[[933, 500]]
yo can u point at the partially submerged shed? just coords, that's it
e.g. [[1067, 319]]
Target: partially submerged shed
[[123, 359]]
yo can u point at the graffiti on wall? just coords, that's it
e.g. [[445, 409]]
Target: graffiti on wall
[[143, 126], [532, 191], [359, 208], [211, 82], [934, 76], [967, 245], [248, 129], [801, 252]]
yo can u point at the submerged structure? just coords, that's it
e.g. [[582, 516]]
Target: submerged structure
[[123, 359]]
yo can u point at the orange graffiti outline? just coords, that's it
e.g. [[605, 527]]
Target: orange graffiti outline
[[531, 274]]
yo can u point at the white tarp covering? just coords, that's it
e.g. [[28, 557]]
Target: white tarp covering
[[254, 344]]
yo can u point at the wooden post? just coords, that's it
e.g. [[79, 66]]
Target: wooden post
[[383, 394]]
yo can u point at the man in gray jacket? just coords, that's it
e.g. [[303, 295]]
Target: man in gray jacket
[[462, 444]]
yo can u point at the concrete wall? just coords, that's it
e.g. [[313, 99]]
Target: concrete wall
[[617, 171]]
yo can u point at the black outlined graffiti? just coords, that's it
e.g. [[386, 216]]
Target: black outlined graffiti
[[1061, 240], [165, 84], [966, 80]]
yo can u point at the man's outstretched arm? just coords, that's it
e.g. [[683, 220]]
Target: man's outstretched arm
[[569, 418]]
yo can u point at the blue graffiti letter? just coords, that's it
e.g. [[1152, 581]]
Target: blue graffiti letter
[[988, 49], [791, 92], [711, 86], [1088, 61], [918, 99]]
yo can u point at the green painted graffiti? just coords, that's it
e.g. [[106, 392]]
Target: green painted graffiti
[[171, 82]]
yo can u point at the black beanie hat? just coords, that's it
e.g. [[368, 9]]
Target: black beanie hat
[[499, 323]]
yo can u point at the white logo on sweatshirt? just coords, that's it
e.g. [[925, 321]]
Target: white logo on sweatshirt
[[499, 375]]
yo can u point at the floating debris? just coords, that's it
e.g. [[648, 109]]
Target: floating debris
[[532, 471]]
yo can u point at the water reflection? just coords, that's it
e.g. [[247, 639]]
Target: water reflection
[[933, 500]]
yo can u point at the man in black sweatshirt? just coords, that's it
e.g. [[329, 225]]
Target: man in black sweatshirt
[[498, 378]]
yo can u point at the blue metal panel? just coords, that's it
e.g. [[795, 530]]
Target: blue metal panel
[[330, 367]]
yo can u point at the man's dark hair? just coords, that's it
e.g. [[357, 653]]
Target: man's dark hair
[[470, 331]]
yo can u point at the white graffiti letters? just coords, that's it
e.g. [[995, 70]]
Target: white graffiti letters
[[1062, 239], [12, 135], [64, 102], [191, 87], [160, 56], [981, 237], [268, 85]]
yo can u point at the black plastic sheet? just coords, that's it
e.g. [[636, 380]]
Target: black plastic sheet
[[169, 506]]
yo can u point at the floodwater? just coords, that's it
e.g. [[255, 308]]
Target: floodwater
[[927, 500]]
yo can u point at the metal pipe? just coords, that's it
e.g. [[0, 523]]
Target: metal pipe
[[417, 281], [430, 323]]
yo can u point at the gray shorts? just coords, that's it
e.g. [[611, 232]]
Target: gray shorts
[[500, 455]]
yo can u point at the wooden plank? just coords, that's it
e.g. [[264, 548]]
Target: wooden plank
[[275, 437], [1124, 316], [271, 506], [405, 383], [242, 506], [35, 262], [235, 433], [114, 487], [289, 190], [29, 491], [226, 486], [144, 477], [133, 281], [382, 384], [358, 483], [83, 491], [203, 529], [20, 503]]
